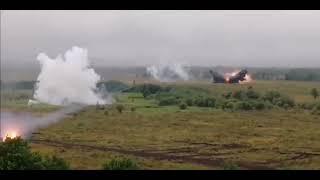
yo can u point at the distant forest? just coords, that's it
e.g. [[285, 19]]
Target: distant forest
[[296, 74], [25, 75]]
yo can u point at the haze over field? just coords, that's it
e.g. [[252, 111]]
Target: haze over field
[[144, 38]]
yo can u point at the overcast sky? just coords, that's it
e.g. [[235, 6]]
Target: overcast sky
[[239, 38]]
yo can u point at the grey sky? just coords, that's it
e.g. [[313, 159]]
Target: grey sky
[[240, 38]]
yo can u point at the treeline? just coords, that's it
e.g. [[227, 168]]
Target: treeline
[[244, 100], [110, 86], [296, 74], [303, 75], [23, 85]]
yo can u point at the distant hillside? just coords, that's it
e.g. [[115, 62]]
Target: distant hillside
[[30, 73]]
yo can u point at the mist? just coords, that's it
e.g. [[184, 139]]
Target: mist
[[140, 38]]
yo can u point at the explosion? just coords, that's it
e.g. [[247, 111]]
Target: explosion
[[67, 80], [10, 134], [247, 77]]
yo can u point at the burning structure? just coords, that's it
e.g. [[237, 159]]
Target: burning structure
[[231, 78]]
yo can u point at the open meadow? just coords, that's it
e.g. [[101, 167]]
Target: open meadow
[[160, 136]]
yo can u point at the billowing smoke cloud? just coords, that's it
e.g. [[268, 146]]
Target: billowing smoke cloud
[[69, 80], [168, 72], [23, 123]]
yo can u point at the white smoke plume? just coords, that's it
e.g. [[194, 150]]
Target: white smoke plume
[[168, 72], [69, 80]]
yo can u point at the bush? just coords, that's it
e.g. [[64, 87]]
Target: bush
[[308, 106], [120, 108], [260, 105], [251, 94], [16, 155], [271, 95], [230, 166], [227, 95], [133, 109], [167, 101], [182, 106], [228, 105], [239, 94], [284, 101], [210, 102], [189, 102], [314, 92], [243, 105], [279, 100], [55, 163], [316, 109], [205, 101], [120, 164]]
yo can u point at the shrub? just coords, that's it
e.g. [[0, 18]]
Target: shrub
[[16, 155], [271, 95], [120, 164], [205, 101], [167, 101], [279, 100], [55, 163], [228, 105], [227, 95], [120, 108], [182, 106], [189, 102], [316, 109], [243, 105], [284, 101], [314, 92], [308, 106], [260, 105], [210, 102], [251, 94], [133, 109], [230, 166], [239, 94]]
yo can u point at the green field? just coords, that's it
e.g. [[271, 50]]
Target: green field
[[166, 137]]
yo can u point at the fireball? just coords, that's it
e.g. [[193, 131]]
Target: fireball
[[227, 79], [10, 134], [248, 79]]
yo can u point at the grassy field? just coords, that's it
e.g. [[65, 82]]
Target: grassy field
[[165, 137], [17, 100]]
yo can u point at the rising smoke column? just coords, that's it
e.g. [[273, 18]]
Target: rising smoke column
[[69, 80], [168, 72]]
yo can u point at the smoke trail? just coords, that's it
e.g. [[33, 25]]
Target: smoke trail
[[167, 72], [69, 80], [23, 123]]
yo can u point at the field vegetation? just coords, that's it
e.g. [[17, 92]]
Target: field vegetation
[[196, 125]]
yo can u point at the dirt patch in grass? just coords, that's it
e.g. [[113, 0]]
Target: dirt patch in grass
[[211, 162]]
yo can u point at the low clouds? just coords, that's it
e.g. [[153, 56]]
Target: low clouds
[[243, 38]]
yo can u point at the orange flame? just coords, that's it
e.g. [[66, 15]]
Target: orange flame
[[11, 135]]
